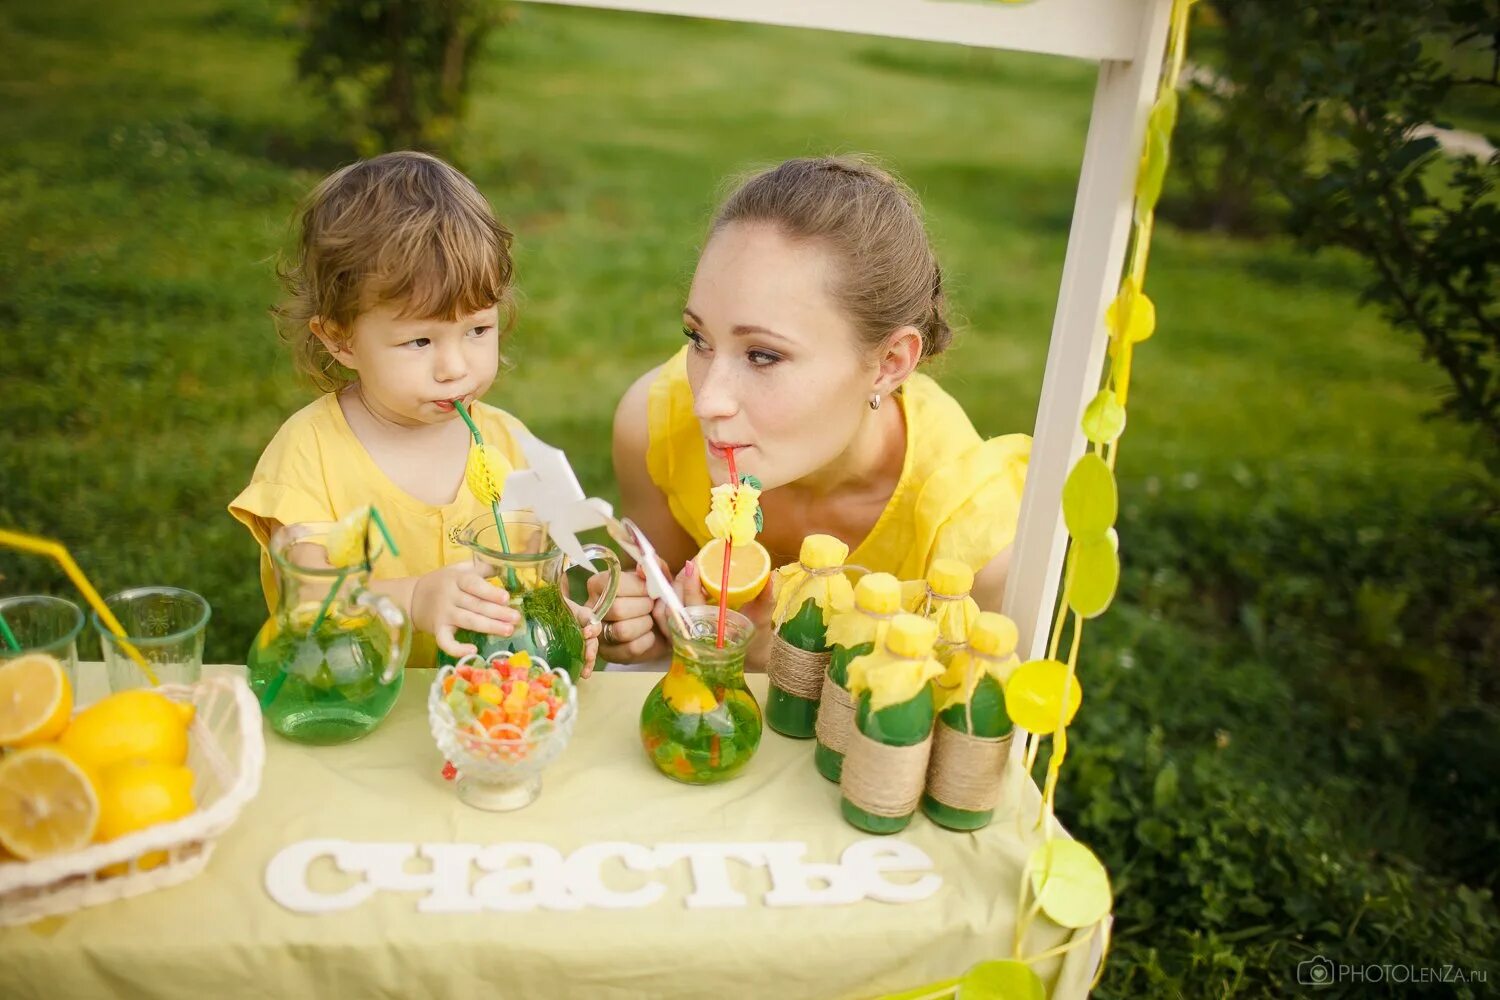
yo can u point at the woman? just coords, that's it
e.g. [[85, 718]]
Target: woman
[[814, 302]]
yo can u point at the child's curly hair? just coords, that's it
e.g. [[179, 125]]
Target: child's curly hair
[[401, 228]]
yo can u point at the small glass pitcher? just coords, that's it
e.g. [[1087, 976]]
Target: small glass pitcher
[[701, 724], [327, 666], [534, 571]]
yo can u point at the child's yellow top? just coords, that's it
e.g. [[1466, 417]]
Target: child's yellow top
[[958, 496], [315, 469]]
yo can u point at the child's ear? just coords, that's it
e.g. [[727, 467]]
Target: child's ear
[[337, 347]]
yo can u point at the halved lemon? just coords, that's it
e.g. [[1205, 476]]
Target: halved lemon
[[48, 804], [749, 569], [36, 700]]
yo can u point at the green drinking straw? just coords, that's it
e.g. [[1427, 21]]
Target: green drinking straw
[[10, 637], [510, 574]]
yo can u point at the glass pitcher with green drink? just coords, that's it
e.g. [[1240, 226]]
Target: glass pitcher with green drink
[[701, 724], [327, 665], [533, 570]]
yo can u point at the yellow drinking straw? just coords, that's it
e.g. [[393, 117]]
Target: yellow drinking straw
[[60, 555]]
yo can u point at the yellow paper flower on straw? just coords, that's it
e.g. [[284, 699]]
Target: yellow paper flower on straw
[[486, 471], [895, 673], [731, 513], [346, 539]]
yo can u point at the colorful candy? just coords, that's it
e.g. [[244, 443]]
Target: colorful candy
[[495, 704]]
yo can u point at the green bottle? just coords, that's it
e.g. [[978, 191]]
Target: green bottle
[[972, 739], [808, 592], [894, 708], [877, 599]]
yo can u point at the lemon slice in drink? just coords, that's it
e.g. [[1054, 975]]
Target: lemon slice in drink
[[749, 569], [48, 804], [36, 700]]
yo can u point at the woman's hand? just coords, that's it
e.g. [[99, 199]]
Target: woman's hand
[[629, 634], [459, 597]]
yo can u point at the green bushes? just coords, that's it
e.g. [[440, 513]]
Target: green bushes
[[1289, 747]]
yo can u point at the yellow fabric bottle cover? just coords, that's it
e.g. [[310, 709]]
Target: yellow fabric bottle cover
[[993, 634], [949, 578], [814, 575], [877, 597], [822, 552], [911, 637], [878, 594], [897, 673]]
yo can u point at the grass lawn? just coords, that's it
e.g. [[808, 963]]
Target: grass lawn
[[151, 156]]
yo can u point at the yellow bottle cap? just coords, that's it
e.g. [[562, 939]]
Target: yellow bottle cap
[[911, 636], [822, 552], [878, 594], [950, 578], [993, 634]]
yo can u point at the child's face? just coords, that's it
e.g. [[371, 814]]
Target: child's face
[[411, 369], [775, 365]]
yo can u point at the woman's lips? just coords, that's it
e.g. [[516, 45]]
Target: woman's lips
[[720, 449]]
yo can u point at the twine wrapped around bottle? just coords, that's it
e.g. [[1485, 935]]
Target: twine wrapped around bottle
[[883, 780], [796, 671], [819, 575], [835, 716], [966, 772]]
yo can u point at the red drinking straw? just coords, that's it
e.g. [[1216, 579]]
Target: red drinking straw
[[734, 480]]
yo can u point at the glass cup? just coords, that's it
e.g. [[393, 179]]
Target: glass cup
[[43, 624], [166, 625]]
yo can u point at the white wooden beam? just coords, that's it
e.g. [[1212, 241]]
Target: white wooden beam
[[1075, 356], [1082, 29]]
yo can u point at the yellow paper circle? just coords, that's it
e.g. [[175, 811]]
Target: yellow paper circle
[[1090, 501], [1070, 883], [1034, 696], [1005, 979], [1104, 418], [1095, 575]]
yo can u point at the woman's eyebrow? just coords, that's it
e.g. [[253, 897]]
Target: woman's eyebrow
[[739, 329]]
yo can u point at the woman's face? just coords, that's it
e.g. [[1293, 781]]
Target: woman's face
[[775, 366]]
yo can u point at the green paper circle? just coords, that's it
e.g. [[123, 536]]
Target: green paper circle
[[1095, 575], [1033, 695], [1070, 883], [1090, 501], [1006, 979], [1104, 418]]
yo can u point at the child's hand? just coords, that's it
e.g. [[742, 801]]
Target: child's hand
[[592, 627], [459, 597], [629, 634]]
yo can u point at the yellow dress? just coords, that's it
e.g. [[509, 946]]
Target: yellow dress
[[315, 469], [958, 496]]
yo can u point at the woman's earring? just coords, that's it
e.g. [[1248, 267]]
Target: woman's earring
[[874, 400]]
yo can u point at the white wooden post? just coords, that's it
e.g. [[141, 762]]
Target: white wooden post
[[1075, 356]]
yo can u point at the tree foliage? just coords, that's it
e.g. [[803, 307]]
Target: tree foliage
[[1321, 117], [395, 73]]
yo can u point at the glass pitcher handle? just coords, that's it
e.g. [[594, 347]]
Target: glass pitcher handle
[[612, 567], [397, 625]]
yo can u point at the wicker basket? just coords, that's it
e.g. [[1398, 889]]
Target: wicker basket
[[226, 752]]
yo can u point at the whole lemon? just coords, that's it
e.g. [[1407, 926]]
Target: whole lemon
[[138, 794], [131, 725]]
